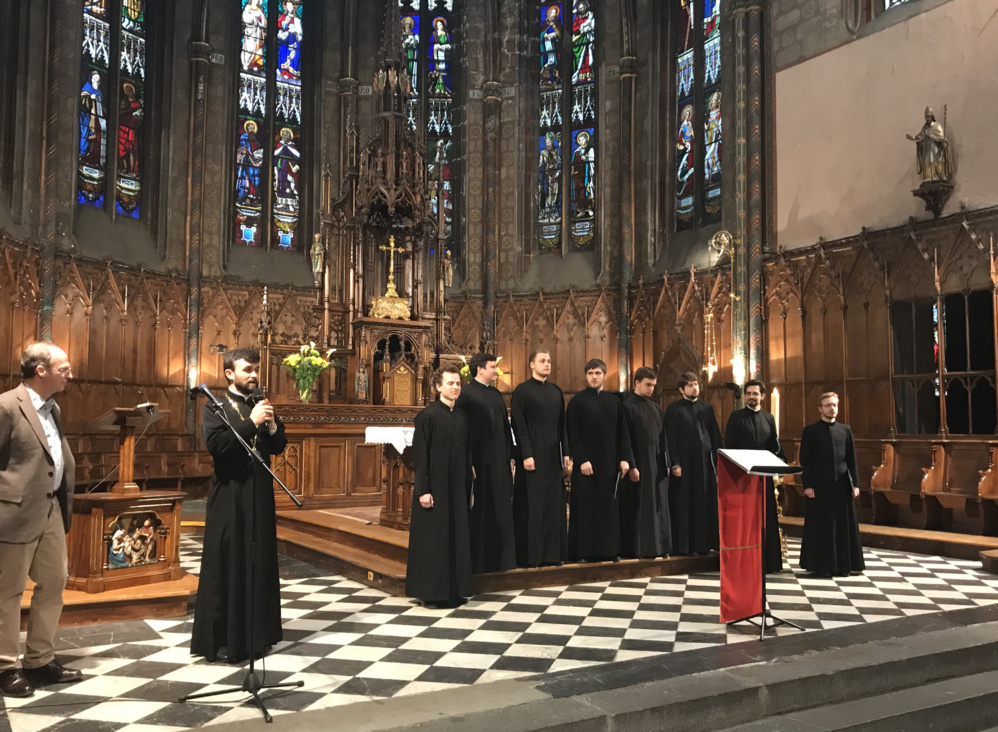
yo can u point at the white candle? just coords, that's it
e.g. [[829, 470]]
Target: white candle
[[774, 403]]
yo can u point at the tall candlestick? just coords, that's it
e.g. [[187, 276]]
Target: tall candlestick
[[774, 404]]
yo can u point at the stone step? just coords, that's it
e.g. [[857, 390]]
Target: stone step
[[962, 704], [348, 561], [893, 665], [370, 538]]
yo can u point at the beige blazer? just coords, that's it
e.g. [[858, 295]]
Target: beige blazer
[[27, 469]]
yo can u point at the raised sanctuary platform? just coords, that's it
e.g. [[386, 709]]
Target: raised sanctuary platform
[[361, 550]]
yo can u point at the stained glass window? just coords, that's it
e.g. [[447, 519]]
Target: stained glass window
[[712, 111], [93, 101], [269, 170], [112, 74], [131, 111], [429, 43], [567, 85], [698, 107]]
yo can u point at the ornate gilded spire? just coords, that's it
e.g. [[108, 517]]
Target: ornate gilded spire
[[391, 43]]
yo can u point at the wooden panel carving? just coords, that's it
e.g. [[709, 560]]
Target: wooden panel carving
[[367, 469]]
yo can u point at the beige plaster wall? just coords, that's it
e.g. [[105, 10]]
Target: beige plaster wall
[[842, 159]]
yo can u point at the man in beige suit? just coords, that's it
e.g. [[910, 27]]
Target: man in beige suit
[[36, 503]]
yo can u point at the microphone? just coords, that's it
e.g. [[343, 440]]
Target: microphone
[[255, 397], [203, 390], [146, 404]]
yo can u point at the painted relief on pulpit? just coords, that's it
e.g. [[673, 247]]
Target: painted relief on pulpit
[[133, 539]]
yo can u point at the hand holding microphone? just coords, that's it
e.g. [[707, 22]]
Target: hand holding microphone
[[263, 411]]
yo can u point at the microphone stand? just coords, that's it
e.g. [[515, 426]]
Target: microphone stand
[[252, 684]]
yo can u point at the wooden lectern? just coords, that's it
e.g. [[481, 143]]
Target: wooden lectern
[[127, 421], [126, 536]]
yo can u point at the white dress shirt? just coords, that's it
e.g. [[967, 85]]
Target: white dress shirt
[[52, 436]]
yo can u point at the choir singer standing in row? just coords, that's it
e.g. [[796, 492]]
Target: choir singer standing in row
[[753, 428], [831, 543], [693, 438], [491, 517], [601, 454], [538, 412], [439, 566], [645, 530]]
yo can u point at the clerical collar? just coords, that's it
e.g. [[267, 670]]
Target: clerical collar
[[754, 409], [694, 399], [236, 394], [539, 381], [828, 421], [449, 406]]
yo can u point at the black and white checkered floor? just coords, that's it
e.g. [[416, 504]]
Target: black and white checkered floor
[[346, 641]]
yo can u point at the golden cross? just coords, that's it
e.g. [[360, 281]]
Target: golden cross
[[391, 249]]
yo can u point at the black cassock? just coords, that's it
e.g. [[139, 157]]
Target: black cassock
[[221, 611], [693, 438], [439, 566], [597, 434], [645, 529], [831, 543], [748, 429], [491, 518], [538, 413]]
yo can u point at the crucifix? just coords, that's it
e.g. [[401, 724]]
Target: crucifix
[[391, 249]]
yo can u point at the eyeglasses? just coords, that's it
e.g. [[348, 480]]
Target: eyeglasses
[[64, 371]]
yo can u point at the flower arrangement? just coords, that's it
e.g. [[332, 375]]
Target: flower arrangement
[[305, 367], [466, 368]]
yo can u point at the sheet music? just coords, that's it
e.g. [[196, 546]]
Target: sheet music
[[760, 462]]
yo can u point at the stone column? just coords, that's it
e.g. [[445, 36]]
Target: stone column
[[757, 192], [628, 79], [739, 286], [199, 51], [493, 113]]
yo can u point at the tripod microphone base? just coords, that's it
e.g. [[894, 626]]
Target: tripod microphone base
[[252, 685], [760, 619]]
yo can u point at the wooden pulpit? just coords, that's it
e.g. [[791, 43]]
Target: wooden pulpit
[[129, 422], [125, 536]]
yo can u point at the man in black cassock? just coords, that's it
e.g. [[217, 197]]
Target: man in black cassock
[[831, 543], [645, 530], [438, 572], [600, 447], [491, 518], [693, 437], [753, 428], [538, 412], [241, 493]]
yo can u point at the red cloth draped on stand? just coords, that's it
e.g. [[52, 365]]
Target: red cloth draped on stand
[[740, 514]]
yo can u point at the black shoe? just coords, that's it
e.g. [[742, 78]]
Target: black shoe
[[14, 683], [616, 559], [52, 672], [582, 560], [222, 655]]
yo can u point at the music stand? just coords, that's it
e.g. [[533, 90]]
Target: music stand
[[252, 684], [759, 464]]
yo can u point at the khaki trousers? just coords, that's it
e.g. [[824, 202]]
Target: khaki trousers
[[44, 560]]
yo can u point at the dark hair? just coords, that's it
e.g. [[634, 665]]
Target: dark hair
[[595, 363], [755, 382], [479, 361], [35, 355], [535, 354], [248, 355], [438, 375], [687, 378], [644, 373]]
